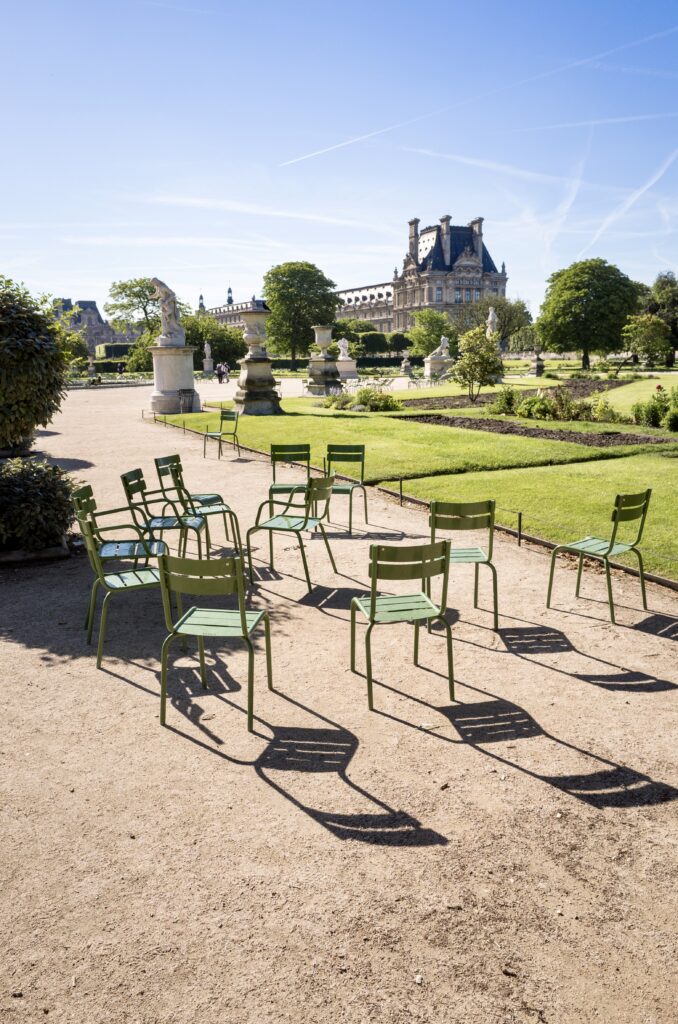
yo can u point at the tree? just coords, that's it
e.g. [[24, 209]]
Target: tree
[[479, 362], [299, 297], [373, 343], [69, 339], [512, 315], [32, 365], [646, 336], [139, 358], [430, 326], [398, 342], [662, 300], [132, 305], [344, 329], [226, 342], [585, 309], [525, 340]]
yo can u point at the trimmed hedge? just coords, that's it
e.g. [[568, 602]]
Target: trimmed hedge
[[36, 508]]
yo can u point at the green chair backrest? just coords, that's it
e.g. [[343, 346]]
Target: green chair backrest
[[629, 508], [170, 473], [87, 531], [83, 501], [412, 562], [201, 578], [288, 453], [229, 416], [319, 492], [337, 453], [466, 515], [135, 489]]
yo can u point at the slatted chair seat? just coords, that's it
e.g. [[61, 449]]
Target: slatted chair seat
[[628, 508], [460, 517], [141, 501], [421, 562], [175, 522], [399, 607], [117, 548], [216, 622], [126, 578], [111, 549], [207, 499], [283, 522]]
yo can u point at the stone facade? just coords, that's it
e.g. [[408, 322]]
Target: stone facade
[[95, 330], [447, 267]]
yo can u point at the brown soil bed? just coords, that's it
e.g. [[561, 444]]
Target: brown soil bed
[[605, 439], [577, 388]]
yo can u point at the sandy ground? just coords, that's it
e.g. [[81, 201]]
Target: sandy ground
[[507, 858]]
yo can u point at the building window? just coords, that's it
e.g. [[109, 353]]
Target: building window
[[429, 294], [439, 295], [467, 295], [457, 294], [477, 294]]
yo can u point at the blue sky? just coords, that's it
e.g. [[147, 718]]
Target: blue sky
[[204, 141]]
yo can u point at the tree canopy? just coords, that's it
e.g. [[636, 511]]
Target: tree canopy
[[300, 297], [131, 303], [225, 341], [512, 315], [646, 336], [662, 300], [586, 307], [479, 362], [430, 326]]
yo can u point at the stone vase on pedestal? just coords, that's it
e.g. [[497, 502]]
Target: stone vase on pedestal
[[323, 373], [256, 394], [537, 368], [208, 367]]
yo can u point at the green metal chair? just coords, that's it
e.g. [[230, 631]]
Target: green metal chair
[[418, 562], [345, 453], [217, 577], [286, 454], [296, 517], [628, 508], [474, 515], [223, 434], [141, 502], [171, 477], [119, 547], [112, 583]]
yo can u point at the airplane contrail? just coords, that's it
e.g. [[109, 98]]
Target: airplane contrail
[[602, 120]]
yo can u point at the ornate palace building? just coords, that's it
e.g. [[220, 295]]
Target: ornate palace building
[[447, 266]]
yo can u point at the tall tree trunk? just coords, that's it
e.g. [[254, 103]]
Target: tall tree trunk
[[585, 360]]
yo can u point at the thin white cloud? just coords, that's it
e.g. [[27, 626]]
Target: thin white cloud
[[630, 119], [570, 65], [623, 69], [623, 208], [252, 209], [153, 241]]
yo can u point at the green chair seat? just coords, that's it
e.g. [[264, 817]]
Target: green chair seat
[[286, 488], [467, 555], [283, 522], [596, 547], [344, 488], [173, 522], [399, 607], [131, 549], [141, 501], [131, 578], [207, 499], [171, 476], [216, 622]]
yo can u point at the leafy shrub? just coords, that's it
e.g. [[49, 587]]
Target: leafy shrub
[[342, 400], [670, 421], [35, 504], [564, 405], [376, 401], [603, 412], [33, 368], [505, 401], [536, 407]]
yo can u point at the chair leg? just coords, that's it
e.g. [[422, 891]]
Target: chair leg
[[475, 586], [327, 545], [553, 567], [353, 611], [609, 589], [235, 529], [416, 640], [250, 685], [496, 599], [269, 660], [303, 558], [199, 540], [102, 628], [201, 652], [89, 621], [368, 667], [249, 552], [350, 511], [641, 572], [204, 446], [208, 541], [579, 569], [219, 456], [365, 503], [228, 537], [450, 661], [163, 675], [270, 549]]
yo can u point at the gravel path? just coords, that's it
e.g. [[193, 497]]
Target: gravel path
[[510, 857]]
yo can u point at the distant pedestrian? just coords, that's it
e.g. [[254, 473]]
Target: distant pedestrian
[[227, 371], [220, 373], [121, 370]]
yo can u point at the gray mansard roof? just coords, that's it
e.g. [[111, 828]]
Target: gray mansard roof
[[461, 238]]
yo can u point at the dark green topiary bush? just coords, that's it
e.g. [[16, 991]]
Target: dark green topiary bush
[[35, 504], [33, 368]]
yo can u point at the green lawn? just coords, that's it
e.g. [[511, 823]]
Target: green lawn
[[453, 390], [637, 391], [566, 502]]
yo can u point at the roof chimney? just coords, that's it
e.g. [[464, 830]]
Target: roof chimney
[[445, 238], [477, 228], [414, 239]]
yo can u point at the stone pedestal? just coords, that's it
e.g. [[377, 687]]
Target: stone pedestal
[[172, 373], [537, 369], [406, 368], [435, 366], [256, 394], [347, 369], [208, 367], [91, 368], [323, 373]]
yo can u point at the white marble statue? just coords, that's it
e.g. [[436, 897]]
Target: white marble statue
[[208, 350], [443, 350], [172, 330], [492, 323], [343, 348]]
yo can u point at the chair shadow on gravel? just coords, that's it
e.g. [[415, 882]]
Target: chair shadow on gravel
[[527, 641], [295, 751], [664, 626]]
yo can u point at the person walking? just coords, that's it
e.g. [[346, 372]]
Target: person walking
[[227, 371], [220, 373]]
